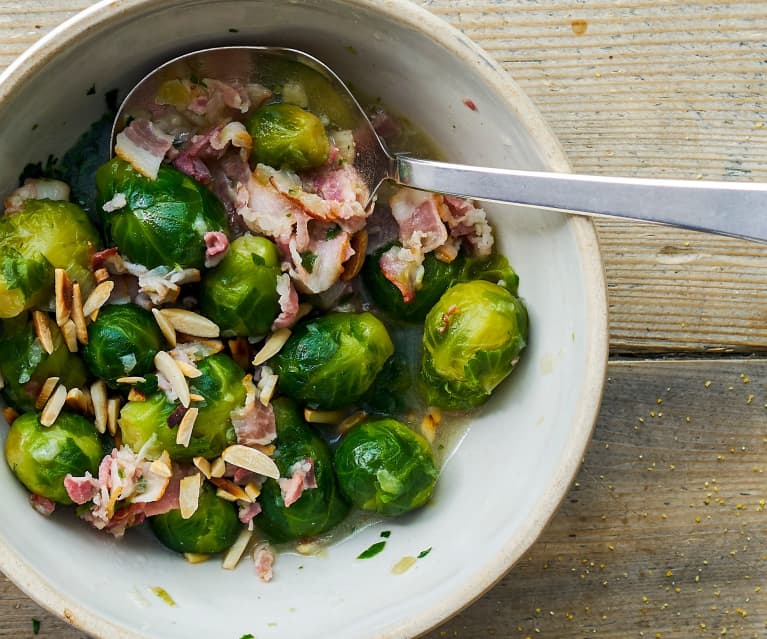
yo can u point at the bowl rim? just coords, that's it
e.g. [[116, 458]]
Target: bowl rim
[[106, 12]]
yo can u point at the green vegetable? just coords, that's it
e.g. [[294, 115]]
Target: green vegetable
[[375, 549], [43, 236], [222, 389], [472, 339], [240, 294], [213, 527], [41, 457], [437, 277], [495, 269], [164, 221], [384, 466], [318, 509], [25, 365], [331, 361], [285, 135], [121, 342]]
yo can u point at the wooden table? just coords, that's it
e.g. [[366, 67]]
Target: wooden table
[[664, 532]]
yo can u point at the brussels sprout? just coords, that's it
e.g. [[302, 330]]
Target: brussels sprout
[[213, 527], [495, 268], [122, 341], [384, 466], [331, 361], [164, 221], [43, 236], [42, 456], [472, 339], [285, 135], [240, 294], [437, 277], [25, 365], [222, 389], [318, 509]]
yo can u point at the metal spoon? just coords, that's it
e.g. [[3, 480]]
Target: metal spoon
[[725, 208]]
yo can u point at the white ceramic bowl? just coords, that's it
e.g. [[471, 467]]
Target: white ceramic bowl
[[519, 456]]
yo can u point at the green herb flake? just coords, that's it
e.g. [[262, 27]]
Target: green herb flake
[[163, 594], [386, 534], [35, 626], [423, 553], [233, 30], [351, 49], [372, 551], [307, 260], [332, 232], [248, 636], [92, 90]]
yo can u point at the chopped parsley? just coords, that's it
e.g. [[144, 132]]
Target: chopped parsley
[[385, 534], [332, 232], [372, 551], [35, 626], [423, 553], [307, 260]]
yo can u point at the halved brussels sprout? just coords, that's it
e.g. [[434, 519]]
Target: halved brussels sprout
[[164, 221], [384, 466], [472, 340], [222, 389], [318, 509], [213, 527], [240, 294], [495, 269], [437, 277], [41, 457], [331, 361], [43, 236], [122, 342], [287, 136], [25, 365]]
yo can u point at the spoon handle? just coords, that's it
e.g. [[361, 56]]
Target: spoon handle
[[736, 209]]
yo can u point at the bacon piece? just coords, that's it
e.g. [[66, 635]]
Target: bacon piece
[[469, 223], [385, 125], [36, 189], [216, 246], [41, 504], [248, 512], [320, 266], [288, 303], [234, 95], [143, 145], [263, 560], [301, 478], [418, 216], [344, 184], [403, 267], [254, 423], [81, 489]]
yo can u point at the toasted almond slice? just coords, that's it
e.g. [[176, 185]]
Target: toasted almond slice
[[167, 366], [135, 395], [101, 275], [78, 317], [266, 449], [77, 400], [63, 290], [267, 385], [324, 416], [113, 412], [100, 404], [53, 406], [188, 370], [226, 495], [43, 330], [272, 346], [239, 348], [135, 379], [195, 557], [252, 491], [428, 428], [233, 555], [194, 397], [309, 548], [184, 433], [203, 465], [251, 459], [162, 465], [45, 392], [98, 297], [69, 333], [165, 327], [351, 421], [189, 495], [191, 323], [353, 266], [217, 468], [230, 487], [10, 414]]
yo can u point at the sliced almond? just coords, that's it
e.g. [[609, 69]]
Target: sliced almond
[[53, 406], [239, 348], [428, 428], [272, 346], [266, 449], [162, 465], [101, 275], [190, 323], [203, 465], [100, 404], [217, 468], [43, 330], [351, 421], [251, 459], [167, 366], [135, 395], [63, 293], [184, 433], [267, 385], [229, 487], [45, 392], [10, 414], [252, 491], [188, 370], [78, 401], [195, 557], [194, 397], [189, 495], [135, 379], [235, 553], [113, 412], [98, 297], [69, 333], [165, 327], [226, 495], [324, 416], [354, 264], [78, 317]]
